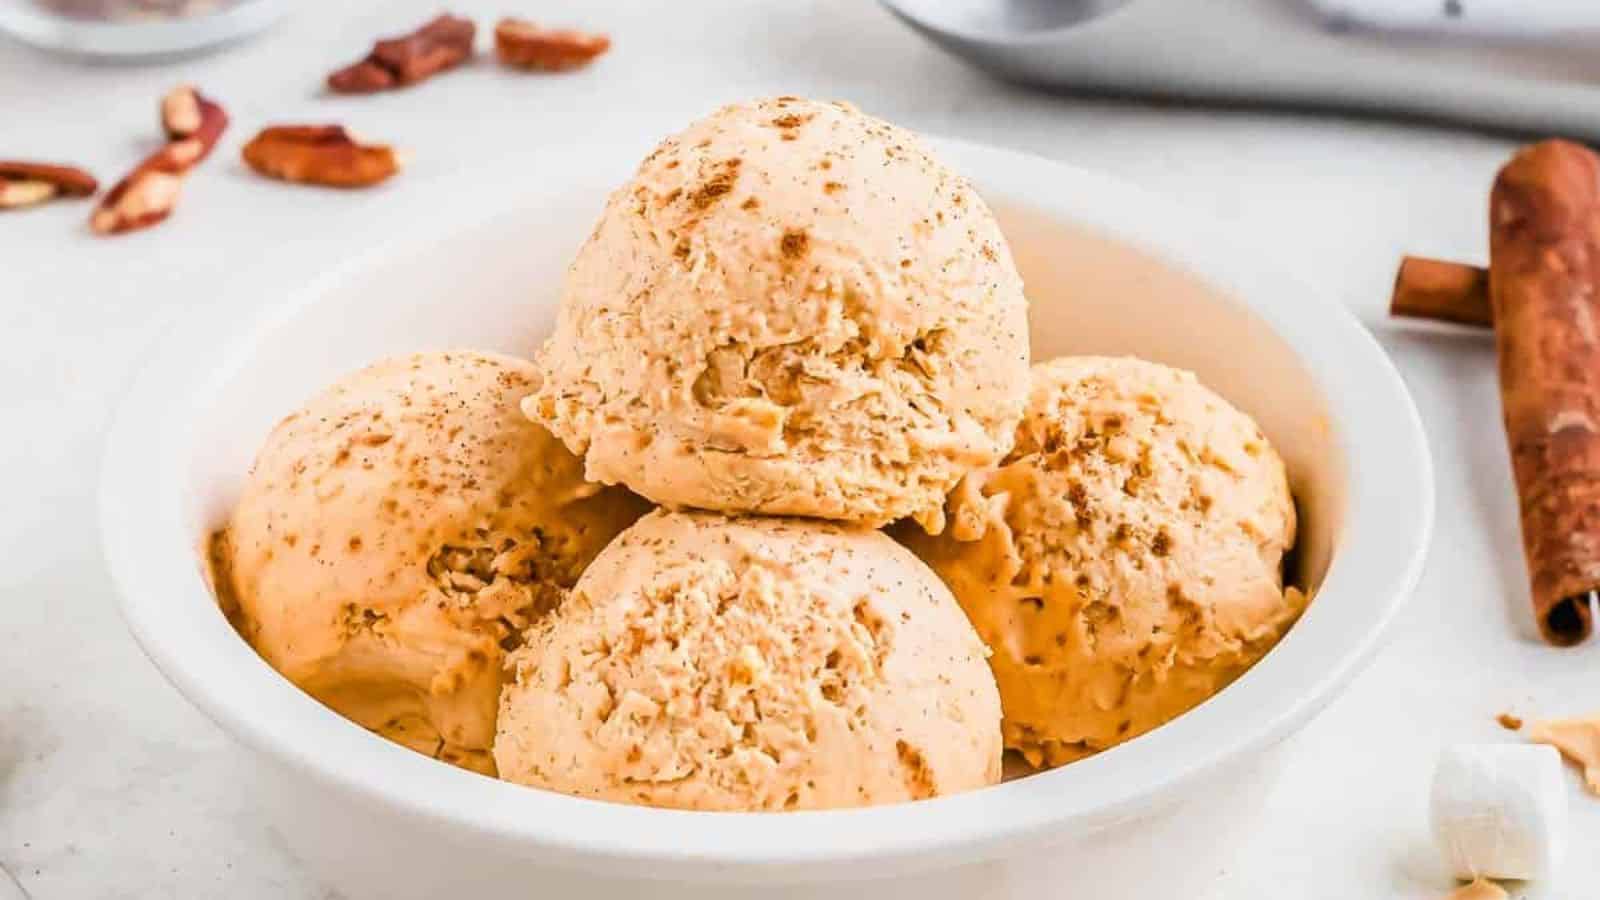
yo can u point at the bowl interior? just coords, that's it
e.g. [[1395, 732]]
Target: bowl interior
[[1109, 270]]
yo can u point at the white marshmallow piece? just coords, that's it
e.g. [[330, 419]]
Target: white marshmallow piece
[[1500, 810]]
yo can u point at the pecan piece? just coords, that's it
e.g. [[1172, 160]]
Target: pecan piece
[[16, 193], [365, 77], [523, 44], [441, 44], [181, 114], [320, 154], [194, 124], [187, 114], [145, 197], [69, 180], [29, 183]]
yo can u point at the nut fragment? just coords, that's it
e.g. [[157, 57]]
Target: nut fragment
[[69, 180], [193, 123], [320, 154], [30, 183], [525, 45], [441, 44], [17, 193], [364, 77], [180, 112], [145, 197]]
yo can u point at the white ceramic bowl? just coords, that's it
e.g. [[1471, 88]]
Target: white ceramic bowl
[[1109, 270]]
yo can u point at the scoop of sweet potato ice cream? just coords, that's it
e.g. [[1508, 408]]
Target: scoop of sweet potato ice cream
[[1125, 562], [396, 535], [795, 309], [711, 663]]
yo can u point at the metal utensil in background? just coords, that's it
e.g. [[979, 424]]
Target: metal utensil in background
[[1524, 65], [1516, 19]]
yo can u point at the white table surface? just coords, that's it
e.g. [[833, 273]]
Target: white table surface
[[112, 786]]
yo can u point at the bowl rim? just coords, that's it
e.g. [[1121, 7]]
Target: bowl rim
[[1375, 566]]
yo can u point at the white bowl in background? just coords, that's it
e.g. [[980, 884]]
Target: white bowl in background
[[1109, 269]]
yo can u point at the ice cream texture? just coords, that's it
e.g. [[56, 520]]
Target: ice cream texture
[[1125, 561], [713, 663], [792, 308], [397, 534]]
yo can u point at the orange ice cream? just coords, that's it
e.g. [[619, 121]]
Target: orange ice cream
[[711, 663], [791, 309], [396, 535], [1125, 561]]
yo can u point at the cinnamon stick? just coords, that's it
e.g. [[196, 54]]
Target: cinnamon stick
[[1544, 287], [1442, 292]]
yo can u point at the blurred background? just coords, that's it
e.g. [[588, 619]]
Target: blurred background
[[1382, 126]]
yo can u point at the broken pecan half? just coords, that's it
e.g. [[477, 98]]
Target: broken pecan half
[[69, 180], [27, 183], [525, 45], [181, 114], [320, 154], [145, 197], [17, 193], [365, 77], [441, 44], [193, 123]]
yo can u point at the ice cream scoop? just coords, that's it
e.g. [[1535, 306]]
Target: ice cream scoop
[[1125, 561], [792, 308], [713, 663], [396, 535]]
